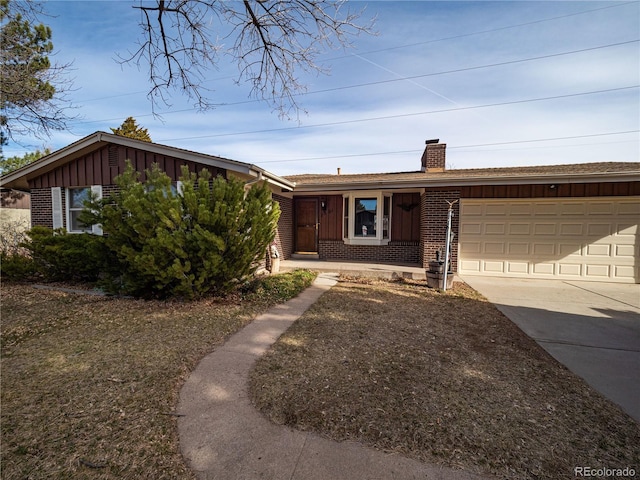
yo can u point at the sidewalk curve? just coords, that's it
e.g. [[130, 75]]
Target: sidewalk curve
[[222, 436]]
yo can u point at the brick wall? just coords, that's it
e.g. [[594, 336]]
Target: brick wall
[[284, 235], [41, 208], [394, 252], [433, 225], [434, 157]]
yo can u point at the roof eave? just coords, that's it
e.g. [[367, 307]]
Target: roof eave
[[473, 181]]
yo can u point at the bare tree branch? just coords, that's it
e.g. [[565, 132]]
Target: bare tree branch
[[273, 40]]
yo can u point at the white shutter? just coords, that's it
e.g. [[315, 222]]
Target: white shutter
[[56, 207], [179, 187], [96, 190]]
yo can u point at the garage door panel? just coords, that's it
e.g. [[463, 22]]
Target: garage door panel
[[518, 268], [471, 266], [597, 271], [546, 269], [525, 209], [471, 228], [625, 273], [571, 229], [471, 210], [570, 249], [629, 208], [519, 228], [470, 248], [600, 208], [572, 209], [585, 238], [494, 248], [570, 269], [493, 266], [519, 249], [599, 229], [544, 229], [599, 250], [542, 209], [494, 228], [544, 249], [628, 251], [629, 230], [496, 209]]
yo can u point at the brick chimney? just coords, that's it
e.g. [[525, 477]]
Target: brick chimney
[[434, 157]]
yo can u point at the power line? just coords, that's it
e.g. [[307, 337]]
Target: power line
[[548, 139], [397, 48], [497, 29], [381, 82], [403, 115], [399, 152], [477, 67]]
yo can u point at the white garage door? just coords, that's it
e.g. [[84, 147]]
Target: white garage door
[[580, 239]]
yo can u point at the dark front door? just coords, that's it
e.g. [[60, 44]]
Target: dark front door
[[306, 224]]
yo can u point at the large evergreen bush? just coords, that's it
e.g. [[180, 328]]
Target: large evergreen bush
[[206, 238]]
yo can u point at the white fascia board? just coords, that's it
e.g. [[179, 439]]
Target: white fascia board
[[473, 181]]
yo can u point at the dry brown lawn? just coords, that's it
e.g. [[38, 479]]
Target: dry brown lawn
[[441, 377], [90, 384]]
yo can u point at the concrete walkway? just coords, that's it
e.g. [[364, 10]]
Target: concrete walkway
[[592, 328], [223, 437]]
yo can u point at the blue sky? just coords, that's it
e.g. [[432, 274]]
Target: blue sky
[[468, 73]]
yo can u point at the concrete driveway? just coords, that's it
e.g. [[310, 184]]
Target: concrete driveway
[[592, 328]]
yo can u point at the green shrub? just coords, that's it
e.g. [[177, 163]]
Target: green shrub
[[206, 239], [61, 256], [279, 288], [16, 267]]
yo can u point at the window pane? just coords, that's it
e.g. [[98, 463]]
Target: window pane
[[77, 197], [76, 226], [365, 217]]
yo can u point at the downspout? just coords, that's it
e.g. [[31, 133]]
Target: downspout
[[250, 183]]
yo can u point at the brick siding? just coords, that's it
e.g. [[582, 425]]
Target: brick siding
[[41, 207], [434, 157], [433, 225], [394, 252]]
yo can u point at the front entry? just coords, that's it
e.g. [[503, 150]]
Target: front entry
[[306, 215]]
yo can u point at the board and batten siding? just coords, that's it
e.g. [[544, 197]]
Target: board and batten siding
[[103, 165]]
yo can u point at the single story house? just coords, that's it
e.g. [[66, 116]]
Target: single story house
[[563, 221]]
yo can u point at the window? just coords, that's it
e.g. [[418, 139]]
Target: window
[[370, 222], [366, 217], [76, 196]]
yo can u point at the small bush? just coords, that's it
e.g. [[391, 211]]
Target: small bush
[[279, 288], [16, 267], [61, 256]]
